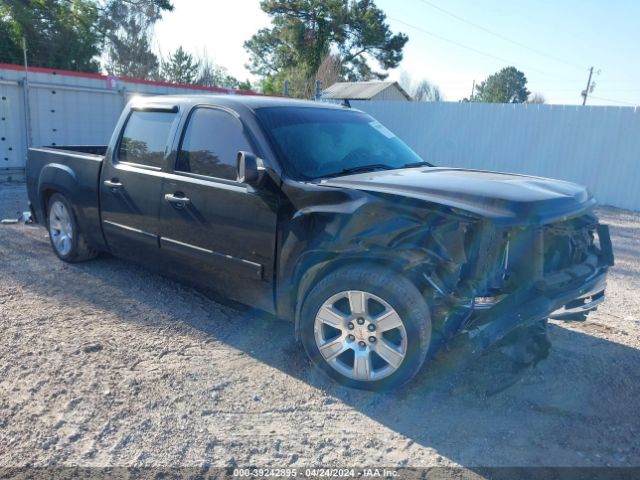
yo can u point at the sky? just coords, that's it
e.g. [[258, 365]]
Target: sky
[[453, 43]]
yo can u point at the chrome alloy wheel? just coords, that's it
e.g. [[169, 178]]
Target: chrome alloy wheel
[[360, 335], [60, 228]]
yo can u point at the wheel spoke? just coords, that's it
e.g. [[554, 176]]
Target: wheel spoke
[[332, 317], [66, 243], [60, 228], [364, 336], [56, 225], [388, 353], [357, 302], [388, 321], [362, 365], [333, 348]]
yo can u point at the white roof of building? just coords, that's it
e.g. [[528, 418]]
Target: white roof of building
[[359, 90]]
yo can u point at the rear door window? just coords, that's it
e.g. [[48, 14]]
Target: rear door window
[[211, 143], [145, 138]]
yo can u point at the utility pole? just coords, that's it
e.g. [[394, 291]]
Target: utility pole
[[473, 89], [25, 86], [586, 92], [24, 52]]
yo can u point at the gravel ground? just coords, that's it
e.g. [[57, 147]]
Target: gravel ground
[[103, 363]]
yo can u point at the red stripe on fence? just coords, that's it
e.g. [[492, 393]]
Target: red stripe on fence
[[97, 76]]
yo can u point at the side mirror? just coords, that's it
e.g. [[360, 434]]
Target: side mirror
[[250, 168]]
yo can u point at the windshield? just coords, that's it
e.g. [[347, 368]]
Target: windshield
[[322, 142]]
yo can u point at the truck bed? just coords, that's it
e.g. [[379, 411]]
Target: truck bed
[[75, 171], [91, 149]]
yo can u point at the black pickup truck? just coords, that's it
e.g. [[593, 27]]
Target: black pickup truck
[[319, 214]]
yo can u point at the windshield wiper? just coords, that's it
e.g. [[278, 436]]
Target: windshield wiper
[[360, 168], [417, 164]]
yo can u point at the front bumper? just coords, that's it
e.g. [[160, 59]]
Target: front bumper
[[563, 294], [578, 308]]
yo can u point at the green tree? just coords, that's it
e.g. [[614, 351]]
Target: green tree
[[179, 67], [271, 85], [127, 27], [10, 51], [59, 33], [305, 32], [509, 85], [246, 85]]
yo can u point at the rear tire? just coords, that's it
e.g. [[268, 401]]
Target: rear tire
[[366, 327], [68, 242]]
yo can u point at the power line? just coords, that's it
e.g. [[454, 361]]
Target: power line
[[498, 35], [475, 50], [609, 88], [467, 47], [615, 101]]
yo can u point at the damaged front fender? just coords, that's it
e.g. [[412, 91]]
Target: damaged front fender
[[322, 229]]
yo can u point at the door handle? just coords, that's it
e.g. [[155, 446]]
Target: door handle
[[113, 185], [177, 201]]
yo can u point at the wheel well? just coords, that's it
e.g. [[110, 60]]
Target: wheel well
[[314, 273], [45, 196]]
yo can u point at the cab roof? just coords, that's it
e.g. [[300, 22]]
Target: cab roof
[[234, 102]]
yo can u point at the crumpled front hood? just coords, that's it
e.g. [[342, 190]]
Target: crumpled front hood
[[505, 198]]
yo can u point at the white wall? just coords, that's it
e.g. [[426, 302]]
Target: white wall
[[595, 146], [390, 93]]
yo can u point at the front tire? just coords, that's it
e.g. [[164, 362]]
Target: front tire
[[367, 327], [67, 240]]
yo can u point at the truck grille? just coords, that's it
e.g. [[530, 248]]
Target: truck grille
[[568, 243], [501, 260]]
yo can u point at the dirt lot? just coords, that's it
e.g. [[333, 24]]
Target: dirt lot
[[103, 363]]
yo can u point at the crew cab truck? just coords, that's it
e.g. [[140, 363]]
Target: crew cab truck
[[319, 214]]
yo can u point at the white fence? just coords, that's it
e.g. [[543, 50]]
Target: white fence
[[595, 146]]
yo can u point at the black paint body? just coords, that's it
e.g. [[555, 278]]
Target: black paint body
[[266, 245]]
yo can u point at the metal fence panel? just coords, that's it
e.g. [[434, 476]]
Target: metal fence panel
[[595, 146], [70, 115], [12, 130]]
